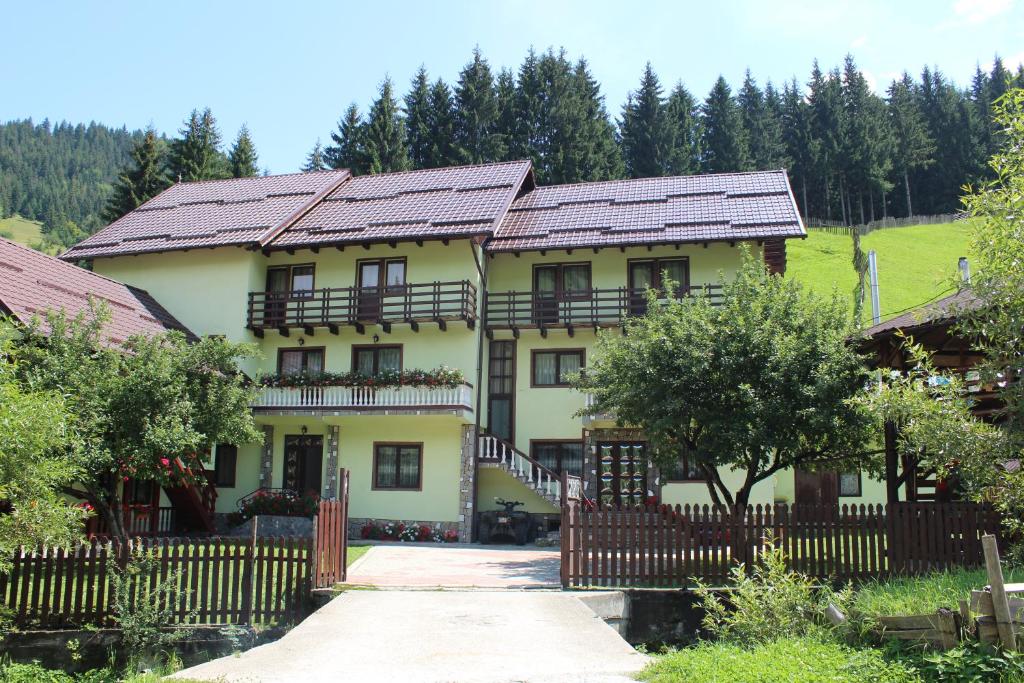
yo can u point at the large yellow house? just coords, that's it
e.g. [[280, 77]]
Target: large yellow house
[[418, 328]]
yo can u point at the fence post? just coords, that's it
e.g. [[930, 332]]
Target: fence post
[[1004, 621], [248, 575], [343, 491]]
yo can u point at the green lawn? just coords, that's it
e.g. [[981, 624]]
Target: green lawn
[[915, 264], [21, 230], [355, 552]]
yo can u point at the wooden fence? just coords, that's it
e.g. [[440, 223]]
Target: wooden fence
[[330, 534], [838, 227], [219, 580], [673, 546]]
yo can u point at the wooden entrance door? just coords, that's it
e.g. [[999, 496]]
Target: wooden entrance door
[[623, 472], [303, 463], [816, 488]]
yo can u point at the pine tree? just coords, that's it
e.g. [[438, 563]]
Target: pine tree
[[773, 146], [526, 140], [801, 146], [196, 155], [243, 155], [913, 147], [384, 138], [417, 120], [683, 113], [315, 160], [349, 150], [827, 128], [476, 113], [441, 124], [141, 180], [724, 143], [865, 147], [597, 155], [507, 126], [645, 131]]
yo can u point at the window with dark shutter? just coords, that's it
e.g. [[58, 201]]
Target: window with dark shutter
[[225, 463]]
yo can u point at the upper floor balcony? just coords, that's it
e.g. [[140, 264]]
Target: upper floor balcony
[[411, 303], [595, 307], [366, 400]]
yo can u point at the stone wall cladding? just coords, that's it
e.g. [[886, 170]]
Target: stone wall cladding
[[467, 473], [267, 457], [331, 486], [269, 525], [355, 526]]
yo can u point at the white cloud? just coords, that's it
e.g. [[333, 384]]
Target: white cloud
[[1014, 62], [859, 42], [980, 11]]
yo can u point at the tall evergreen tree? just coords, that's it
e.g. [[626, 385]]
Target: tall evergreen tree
[[508, 126], [441, 124], [596, 155], [724, 143], [645, 130], [827, 128], [384, 137], [914, 146], [196, 155], [773, 147], [417, 119], [141, 180], [315, 160], [529, 129], [349, 148], [801, 146], [865, 147], [243, 155], [684, 116], [476, 113]]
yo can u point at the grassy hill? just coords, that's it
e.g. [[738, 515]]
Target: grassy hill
[[915, 264], [21, 230]]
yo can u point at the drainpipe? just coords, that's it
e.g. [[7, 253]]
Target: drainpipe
[[482, 304], [876, 311]]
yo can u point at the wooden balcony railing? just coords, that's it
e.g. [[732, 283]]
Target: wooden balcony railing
[[438, 302], [138, 520], [365, 398], [589, 308]]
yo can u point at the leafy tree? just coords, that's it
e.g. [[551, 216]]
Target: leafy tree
[[141, 180], [763, 383], [196, 155], [349, 148], [137, 411], [315, 160], [725, 145], [476, 114], [384, 136], [417, 120], [242, 156], [34, 467], [645, 130], [441, 119], [914, 146]]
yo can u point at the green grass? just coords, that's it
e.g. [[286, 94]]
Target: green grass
[[793, 660], [915, 264], [355, 552], [21, 230], [922, 594]]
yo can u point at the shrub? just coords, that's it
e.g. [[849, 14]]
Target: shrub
[[398, 531], [971, 662], [284, 503], [793, 660], [767, 600]]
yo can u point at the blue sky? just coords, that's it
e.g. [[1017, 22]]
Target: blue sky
[[288, 69]]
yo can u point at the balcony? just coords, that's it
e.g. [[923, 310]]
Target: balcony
[[342, 400], [589, 308], [412, 304]]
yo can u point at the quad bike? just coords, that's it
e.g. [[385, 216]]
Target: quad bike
[[508, 523]]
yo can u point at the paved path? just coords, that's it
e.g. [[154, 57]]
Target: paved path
[[439, 636], [404, 565]]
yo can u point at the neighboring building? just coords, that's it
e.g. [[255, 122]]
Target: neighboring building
[[31, 284], [471, 268]]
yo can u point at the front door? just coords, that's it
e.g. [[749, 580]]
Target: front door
[[303, 463], [545, 295], [623, 472], [277, 296], [816, 488]]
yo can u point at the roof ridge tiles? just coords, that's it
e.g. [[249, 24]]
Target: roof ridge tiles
[[211, 181]]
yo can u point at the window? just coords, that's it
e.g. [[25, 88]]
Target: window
[[300, 361], [560, 456], [684, 469], [296, 281], [562, 280], [552, 368], [381, 273], [501, 388], [397, 466], [651, 273], [224, 465], [849, 484], [371, 361]]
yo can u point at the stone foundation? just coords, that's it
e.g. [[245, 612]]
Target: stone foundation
[[269, 525], [355, 526]]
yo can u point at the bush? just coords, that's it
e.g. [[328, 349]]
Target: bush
[[399, 531], [793, 660], [971, 662], [768, 600]]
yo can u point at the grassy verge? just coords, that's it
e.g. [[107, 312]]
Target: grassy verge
[[915, 264], [355, 552], [922, 594]]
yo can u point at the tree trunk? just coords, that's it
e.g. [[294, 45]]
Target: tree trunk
[[108, 503], [860, 203], [842, 200], [803, 183], [906, 188], [871, 204], [885, 207]]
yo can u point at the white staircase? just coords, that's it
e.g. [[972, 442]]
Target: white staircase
[[532, 474]]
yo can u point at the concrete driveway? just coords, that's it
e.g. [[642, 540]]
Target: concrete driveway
[[402, 565], [439, 636]]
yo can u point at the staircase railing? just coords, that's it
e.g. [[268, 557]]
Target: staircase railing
[[493, 449]]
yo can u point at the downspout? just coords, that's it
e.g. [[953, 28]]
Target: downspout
[[481, 322]]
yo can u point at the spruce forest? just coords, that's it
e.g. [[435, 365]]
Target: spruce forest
[[853, 155]]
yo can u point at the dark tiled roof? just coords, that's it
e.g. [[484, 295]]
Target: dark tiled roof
[[426, 204], [214, 213], [937, 312], [32, 283], [736, 206]]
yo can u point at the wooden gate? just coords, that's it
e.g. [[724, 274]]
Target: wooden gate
[[330, 538]]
